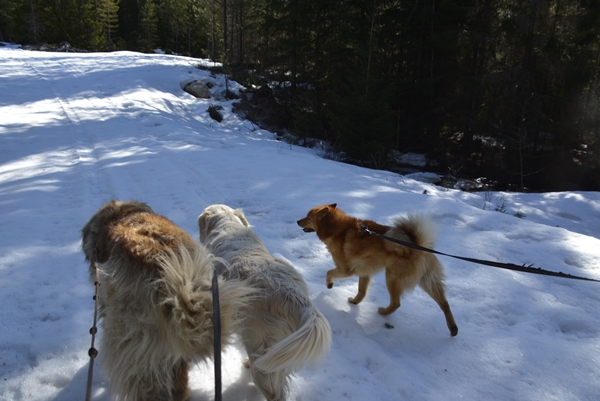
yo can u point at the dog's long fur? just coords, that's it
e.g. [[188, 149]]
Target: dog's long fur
[[355, 252], [283, 330], [155, 301]]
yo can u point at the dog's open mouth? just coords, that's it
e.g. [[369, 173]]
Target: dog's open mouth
[[308, 230]]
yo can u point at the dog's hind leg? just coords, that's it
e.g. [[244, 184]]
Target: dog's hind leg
[[435, 289], [180, 390], [363, 288], [395, 289], [274, 386]]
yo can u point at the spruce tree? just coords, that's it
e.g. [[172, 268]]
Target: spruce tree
[[148, 25], [8, 17], [106, 12]]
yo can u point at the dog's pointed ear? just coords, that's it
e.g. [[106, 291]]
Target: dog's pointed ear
[[240, 215], [325, 209]]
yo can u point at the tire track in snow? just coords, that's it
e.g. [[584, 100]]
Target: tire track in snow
[[45, 178], [85, 156], [129, 167]]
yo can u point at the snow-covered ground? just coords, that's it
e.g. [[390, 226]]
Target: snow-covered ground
[[77, 130]]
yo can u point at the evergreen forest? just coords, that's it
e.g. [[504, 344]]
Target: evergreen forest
[[508, 90]]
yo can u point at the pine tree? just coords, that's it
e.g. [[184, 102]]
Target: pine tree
[[148, 25], [8, 14], [107, 15], [32, 15]]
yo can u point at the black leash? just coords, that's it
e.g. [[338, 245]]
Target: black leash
[[93, 352], [217, 336], [508, 266]]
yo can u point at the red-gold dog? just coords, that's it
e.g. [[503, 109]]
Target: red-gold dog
[[355, 252]]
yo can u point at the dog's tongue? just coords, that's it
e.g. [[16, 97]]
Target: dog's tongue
[[308, 230]]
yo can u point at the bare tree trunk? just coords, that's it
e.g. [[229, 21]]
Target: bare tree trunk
[[369, 57], [241, 33], [34, 28], [432, 30], [232, 23], [225, 44], [213, 30], [294, 62]]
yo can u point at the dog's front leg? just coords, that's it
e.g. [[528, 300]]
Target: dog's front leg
[[336, 273], [363, 287]]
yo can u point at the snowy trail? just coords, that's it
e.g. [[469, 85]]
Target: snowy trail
[[40, 168], [78, 130], [83, 151]]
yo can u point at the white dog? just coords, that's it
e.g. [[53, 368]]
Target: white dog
[[155, 301], [282, 329]]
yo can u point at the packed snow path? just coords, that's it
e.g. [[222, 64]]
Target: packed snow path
[[77, 130]]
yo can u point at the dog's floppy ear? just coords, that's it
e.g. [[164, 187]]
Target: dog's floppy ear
[[202, 218], [205, 215], [203, 225], [240, 215], [95, 237]]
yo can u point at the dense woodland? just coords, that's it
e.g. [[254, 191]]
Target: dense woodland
[[508, 90]]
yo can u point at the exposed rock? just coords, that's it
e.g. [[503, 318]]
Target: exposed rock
[[198, 89], [215, 112]]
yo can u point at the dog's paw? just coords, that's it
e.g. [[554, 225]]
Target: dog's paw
[[453, 330], [246, 363], [384, 311], [353, 301], [330, 285]]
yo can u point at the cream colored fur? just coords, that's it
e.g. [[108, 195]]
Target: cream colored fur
[[155, 309], [282, 330]]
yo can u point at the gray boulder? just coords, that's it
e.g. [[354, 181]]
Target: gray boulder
[[198, 89]]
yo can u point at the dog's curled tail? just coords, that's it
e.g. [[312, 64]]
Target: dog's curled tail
[[419, 227], [307, 345], [186, 299]]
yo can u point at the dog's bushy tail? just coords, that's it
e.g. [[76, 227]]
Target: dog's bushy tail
[[420, 229], [307, 345], [187, 300]]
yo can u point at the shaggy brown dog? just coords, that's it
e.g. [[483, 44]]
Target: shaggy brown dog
[[155, 301], [355, 252], [283, 330]]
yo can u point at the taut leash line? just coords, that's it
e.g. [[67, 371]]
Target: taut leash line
[[508, 266], [217, 336], [93, 352]]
